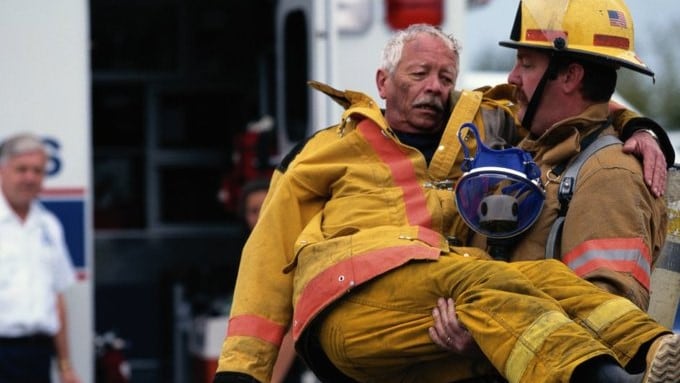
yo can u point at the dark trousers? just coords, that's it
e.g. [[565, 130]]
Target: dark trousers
[[26, 359]]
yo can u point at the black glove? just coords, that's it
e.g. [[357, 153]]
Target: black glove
[[233, 377]]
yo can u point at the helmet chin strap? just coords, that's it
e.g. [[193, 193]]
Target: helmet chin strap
[[549, 74]]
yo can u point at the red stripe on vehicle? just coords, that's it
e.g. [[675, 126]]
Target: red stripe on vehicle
[[48, 192]]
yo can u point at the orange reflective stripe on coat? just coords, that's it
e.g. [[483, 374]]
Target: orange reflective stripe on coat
[[337, 280], [629, 255], [402, 172], [257, 327]]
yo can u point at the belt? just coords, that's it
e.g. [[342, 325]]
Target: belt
[[28, 340]]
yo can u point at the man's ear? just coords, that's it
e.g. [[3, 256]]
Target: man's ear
[[573, 77], [381, 77]]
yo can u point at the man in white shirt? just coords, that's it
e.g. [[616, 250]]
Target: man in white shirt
[[35, 269]]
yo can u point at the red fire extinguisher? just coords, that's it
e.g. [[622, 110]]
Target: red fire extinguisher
[[252, 152], [111, 363]]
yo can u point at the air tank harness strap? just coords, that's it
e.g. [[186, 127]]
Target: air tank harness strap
[[589, 145]]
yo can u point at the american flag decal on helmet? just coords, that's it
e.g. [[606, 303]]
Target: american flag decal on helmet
[[617, 19]]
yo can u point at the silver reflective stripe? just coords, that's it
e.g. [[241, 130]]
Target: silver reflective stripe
[[615, 255], [530, 341], [607, 313]]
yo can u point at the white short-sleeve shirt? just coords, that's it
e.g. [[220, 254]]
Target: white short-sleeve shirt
[[34, 266]]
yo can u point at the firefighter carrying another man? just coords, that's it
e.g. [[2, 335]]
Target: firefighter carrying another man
[[365, 227]]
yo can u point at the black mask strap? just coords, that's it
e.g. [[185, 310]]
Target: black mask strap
[[537, 97]]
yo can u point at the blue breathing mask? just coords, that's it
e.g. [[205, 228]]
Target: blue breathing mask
[[500, 193]]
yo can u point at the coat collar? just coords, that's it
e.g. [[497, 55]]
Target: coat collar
[[357, 106], [563, 140]]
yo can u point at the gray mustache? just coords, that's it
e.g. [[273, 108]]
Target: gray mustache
[[433, 103]]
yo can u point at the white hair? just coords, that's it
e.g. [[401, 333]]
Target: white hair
[[391, 54], [20, 144]]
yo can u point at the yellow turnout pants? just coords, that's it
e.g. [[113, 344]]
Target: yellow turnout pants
[[535, 321]]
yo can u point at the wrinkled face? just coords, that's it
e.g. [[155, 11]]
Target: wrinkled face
[[417, 93], [252, 207], [21, 179], [526, 75]]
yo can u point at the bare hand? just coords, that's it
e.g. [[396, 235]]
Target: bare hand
[[644, 146], [69, 376], [449, 333]]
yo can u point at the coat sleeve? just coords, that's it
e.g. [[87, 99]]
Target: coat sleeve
[[628, 122], [614, 228], [262, 303]]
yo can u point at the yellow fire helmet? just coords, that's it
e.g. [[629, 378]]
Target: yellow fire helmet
[[600, 30]]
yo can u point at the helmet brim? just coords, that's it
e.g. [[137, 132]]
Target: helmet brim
[[606, 56]]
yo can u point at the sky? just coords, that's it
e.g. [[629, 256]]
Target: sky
[[497, 17]]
